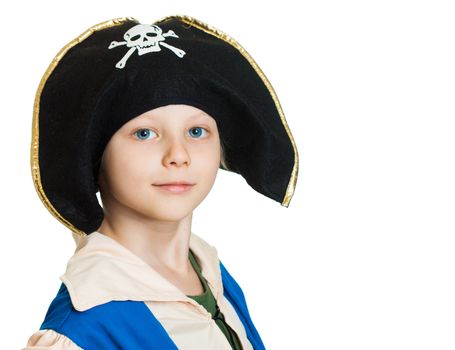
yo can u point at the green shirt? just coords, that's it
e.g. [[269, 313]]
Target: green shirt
[[207, 300]]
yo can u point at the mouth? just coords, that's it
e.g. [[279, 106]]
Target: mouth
[[173, 183], [175, 187]]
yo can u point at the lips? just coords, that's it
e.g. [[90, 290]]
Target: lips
[[175, 187], [173, 183]]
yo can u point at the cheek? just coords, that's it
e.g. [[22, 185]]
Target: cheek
[[208, 163], [129, 169]]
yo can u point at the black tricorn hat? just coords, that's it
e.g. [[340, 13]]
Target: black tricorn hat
[[119, 69]]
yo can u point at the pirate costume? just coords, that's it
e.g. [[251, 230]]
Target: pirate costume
[[109, 298]]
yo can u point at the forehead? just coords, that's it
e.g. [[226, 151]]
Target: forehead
[[173, 112]]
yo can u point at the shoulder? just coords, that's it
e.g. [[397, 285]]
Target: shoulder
[[103, 326], [64, 323], [50, 339]]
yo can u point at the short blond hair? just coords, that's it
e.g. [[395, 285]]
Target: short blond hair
[[223, 162]]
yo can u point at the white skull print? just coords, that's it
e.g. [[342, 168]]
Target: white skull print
[[145, 38]]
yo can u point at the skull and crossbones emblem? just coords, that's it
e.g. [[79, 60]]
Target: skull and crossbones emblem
[[145, 38]]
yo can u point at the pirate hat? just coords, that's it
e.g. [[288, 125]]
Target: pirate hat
[[119, 69]]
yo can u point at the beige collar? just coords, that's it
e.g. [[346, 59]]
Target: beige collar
[[102, 270]]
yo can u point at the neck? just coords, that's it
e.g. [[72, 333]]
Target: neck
[[161, 244]]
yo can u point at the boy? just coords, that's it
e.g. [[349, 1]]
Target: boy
[[122, 123]]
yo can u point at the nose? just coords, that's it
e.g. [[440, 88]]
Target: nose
[[176, 154]]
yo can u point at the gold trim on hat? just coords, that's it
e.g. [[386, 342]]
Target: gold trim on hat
[[219, 34], [34, 163]]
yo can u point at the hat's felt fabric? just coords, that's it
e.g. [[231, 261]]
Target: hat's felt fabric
[[108, 76]]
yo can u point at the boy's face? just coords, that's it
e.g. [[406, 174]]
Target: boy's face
[[166, 144]]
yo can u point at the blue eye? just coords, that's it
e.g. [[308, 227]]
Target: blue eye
[[142, 133], [197, 128]]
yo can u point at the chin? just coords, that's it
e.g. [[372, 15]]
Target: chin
[[169, 211]]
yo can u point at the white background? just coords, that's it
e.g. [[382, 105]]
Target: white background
[[363, 258]]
